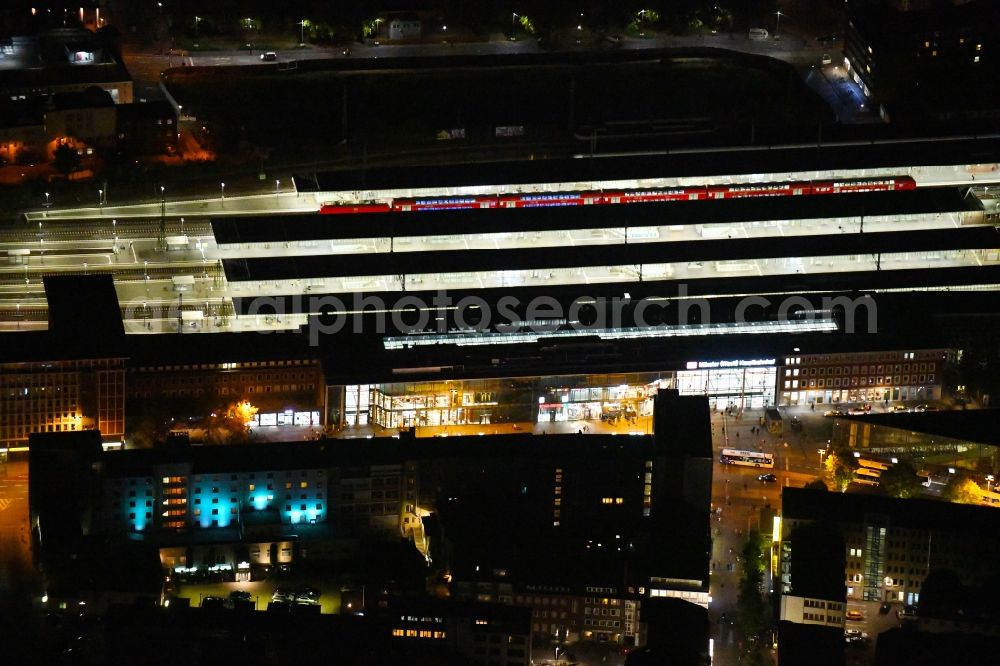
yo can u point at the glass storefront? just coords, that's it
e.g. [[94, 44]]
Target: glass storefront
[[544, 399], [747, 388]]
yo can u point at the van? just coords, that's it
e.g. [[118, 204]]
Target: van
[[758, 34]]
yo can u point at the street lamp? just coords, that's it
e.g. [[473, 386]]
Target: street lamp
[[277, 187], [47, 204], [222, 186], [100, 197], [302, 31], [513, 17], [777, 24]]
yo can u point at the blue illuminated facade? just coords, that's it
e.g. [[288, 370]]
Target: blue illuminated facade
[[133, 502]]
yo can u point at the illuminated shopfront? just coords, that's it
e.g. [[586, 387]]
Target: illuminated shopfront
[[552, 398], [748, 384]]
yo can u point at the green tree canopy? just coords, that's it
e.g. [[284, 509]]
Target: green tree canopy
[[962, 490], [754, 615], [901, 480], [841, 466]]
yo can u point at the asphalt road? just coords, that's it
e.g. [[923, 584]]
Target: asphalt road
[[736, 490], [14, 534]]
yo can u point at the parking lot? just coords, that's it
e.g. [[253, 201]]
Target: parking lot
[[261, 592], [873, 623]]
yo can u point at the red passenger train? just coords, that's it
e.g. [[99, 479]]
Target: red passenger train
[[538, 200]]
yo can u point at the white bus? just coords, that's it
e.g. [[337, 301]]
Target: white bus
[[746, 458]]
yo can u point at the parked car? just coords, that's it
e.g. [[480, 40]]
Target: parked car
[[833, 412], [884, 608], [854, 634], [269, 56], [899, 408], [307, 595], [826, 59], [282, 595], [854, 615], [907, 613], [239, 595], [213, 602], [767, 478], [796, 423]]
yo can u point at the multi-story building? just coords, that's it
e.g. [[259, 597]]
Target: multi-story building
[[63, 60], [85, 120], [894, 49], [876, 376], [569, 613], [418, 632], [890, 544], [200, 374], [61, 395], [271, 505]]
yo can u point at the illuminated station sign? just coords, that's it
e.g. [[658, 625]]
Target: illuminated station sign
[[710, 365]]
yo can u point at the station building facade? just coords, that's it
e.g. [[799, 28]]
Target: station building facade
[[747, 383], [872, 377]]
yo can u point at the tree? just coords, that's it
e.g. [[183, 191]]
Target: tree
[[65, 159], [243, 412], [901, 480], [816, 484], [754, 617], [962, 490], [841, 466]]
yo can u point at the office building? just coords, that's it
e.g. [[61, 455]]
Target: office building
[[917, 58], [891, 545]]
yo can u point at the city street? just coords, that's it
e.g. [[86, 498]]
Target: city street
[[14, 535], [740, 496]]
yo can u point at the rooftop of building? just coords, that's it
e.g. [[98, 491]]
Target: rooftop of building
[[977, 426], [92, 97], [154, 109], [85, 322], [689, 415], [380, 451], [920, 514], [417, 263]]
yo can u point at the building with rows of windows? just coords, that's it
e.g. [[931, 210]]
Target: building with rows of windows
[[269, 505], [891, 545], [876, 376], [61, 396]]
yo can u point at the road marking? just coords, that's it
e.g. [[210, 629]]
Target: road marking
[[4, 503]]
